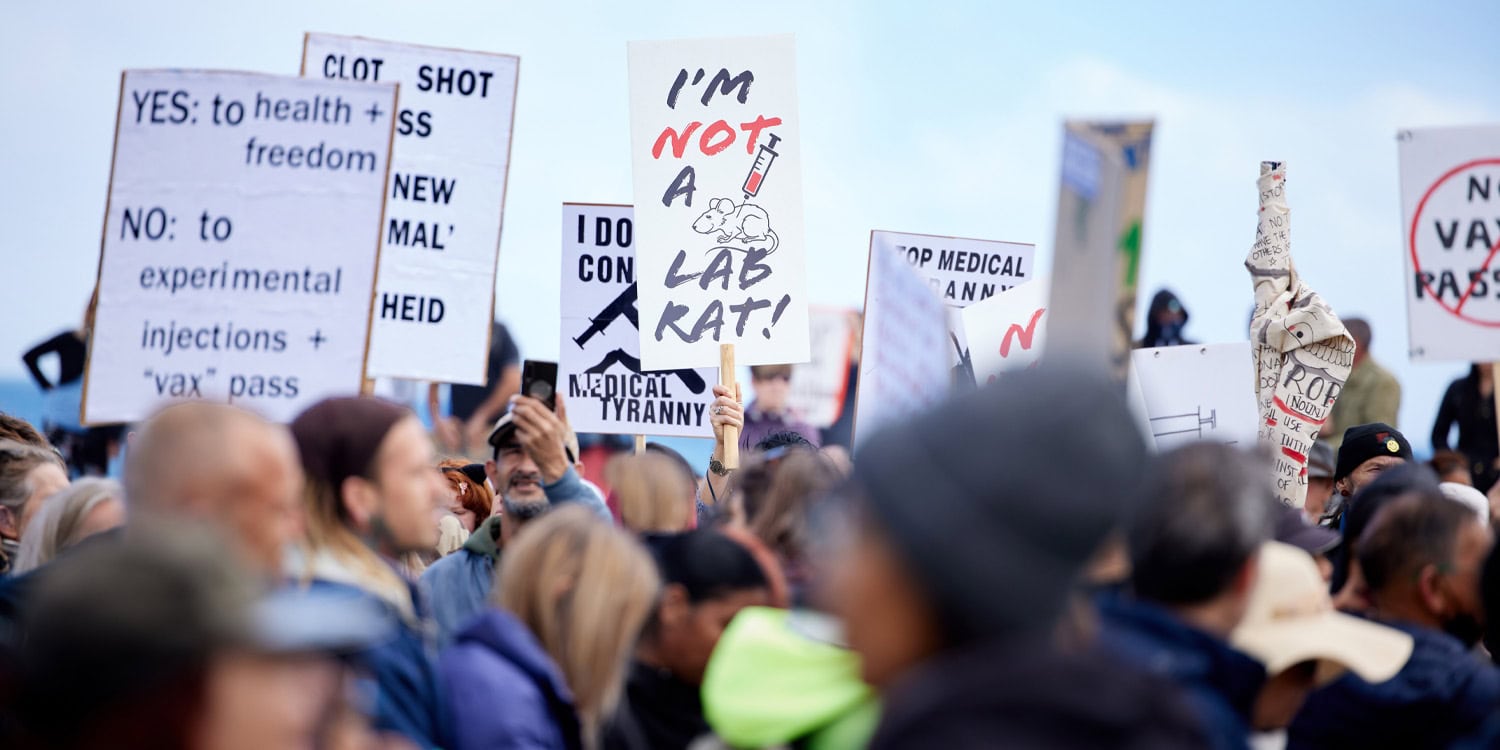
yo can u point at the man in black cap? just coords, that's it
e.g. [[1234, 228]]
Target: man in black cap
[[1367, 450], [965, 550]]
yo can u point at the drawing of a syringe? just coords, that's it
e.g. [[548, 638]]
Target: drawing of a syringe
[[763, 158]]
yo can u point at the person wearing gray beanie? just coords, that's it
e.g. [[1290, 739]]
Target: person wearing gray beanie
[[972, 524]]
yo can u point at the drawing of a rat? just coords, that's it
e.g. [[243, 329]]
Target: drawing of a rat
[[745, 222]]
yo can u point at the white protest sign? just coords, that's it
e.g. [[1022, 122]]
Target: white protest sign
[[240, 242], [1008, 331], [962, 271], [717, 156], [1450, 202], [903, 365], [818, 385], [435, 294], [1196, 392], [600, 362]]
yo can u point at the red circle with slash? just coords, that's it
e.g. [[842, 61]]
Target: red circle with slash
[[1416, 262]]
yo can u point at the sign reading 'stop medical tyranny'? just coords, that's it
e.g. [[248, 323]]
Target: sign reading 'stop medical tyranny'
[[716, 152], [240, 242]]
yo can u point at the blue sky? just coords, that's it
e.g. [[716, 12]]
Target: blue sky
[[933, 117]]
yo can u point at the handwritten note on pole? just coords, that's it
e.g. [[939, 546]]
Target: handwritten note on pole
[[240, 242], [717, 155]]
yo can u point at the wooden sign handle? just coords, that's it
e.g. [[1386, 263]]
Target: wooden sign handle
[[731, 434], [640, 444]]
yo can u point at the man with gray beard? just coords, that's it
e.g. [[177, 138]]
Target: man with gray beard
[[531, 472]]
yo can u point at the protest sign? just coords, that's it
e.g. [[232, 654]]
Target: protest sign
[[962, 271], [818, 385], [1097, 246], [717, 156], [435, 294], [1008, 331], [240, 242], [607, 390], [1450, 201], [903, 366], [1196, 392], [1303, 354]]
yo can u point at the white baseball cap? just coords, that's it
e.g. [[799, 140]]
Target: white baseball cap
[[1290, 619]]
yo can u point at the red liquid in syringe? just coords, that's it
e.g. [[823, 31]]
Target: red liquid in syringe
[[763, 158]]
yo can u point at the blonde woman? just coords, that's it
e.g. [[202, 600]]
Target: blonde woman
[[86, 508], [650, 494], [543, 666], [28, 476]]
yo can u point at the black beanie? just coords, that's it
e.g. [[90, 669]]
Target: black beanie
[[1367, 441], [998, 498]]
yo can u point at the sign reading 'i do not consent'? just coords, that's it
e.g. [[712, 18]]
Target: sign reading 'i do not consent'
[[240, 243], [441, 239]]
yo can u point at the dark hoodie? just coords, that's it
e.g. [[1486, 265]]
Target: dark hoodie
[[1026, 693], [1169, 335], [504, 691]]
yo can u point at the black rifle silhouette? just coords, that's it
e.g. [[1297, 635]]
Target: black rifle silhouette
[[690, 378], [622, 305], [963, 372]]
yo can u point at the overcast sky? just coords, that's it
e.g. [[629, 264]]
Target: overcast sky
[[935, 117]]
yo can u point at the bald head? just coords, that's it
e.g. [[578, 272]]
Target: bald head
[[222, 465]]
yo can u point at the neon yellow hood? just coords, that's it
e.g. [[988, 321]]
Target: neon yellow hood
[[768, 683]]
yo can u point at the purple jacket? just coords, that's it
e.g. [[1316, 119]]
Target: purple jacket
[[760, 425], [503, 691]]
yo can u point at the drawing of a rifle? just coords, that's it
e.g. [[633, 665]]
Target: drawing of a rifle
[[622, 305]]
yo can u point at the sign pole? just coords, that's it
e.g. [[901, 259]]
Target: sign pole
[[731, 434], [640, 444]]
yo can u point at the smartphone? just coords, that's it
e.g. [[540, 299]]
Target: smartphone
[[539, 381]]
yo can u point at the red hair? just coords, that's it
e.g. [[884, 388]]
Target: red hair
[[475, 497]]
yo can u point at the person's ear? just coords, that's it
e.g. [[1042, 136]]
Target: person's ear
[[1343, 486], [1430, 589], [359, 499], [675, 607], [9, 523], [490, 470]]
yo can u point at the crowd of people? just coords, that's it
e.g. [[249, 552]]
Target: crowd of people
[[986, 574]]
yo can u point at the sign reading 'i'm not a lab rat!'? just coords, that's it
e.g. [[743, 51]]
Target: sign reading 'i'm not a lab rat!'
[[716, 152]]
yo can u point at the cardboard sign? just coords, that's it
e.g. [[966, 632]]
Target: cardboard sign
[[818, 386], [903, 365], [1196, 392], [1097, 246], [1008, 331], [240, 242], [441, 237], [962, 272], [717, 152], [1303, 354], [1450, 205], [600, 363]]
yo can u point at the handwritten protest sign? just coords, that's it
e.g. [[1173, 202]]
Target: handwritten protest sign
[[818, 385], [1008, 331], [903, 367], [441, 238], [1450, 200], [1303, 355], [239, 243], [962, 272], [717, 155], [1196, 392], [606, 388], [1097, 250]]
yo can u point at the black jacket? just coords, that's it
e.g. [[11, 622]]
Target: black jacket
[[1024, 693], [1475, 416]]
